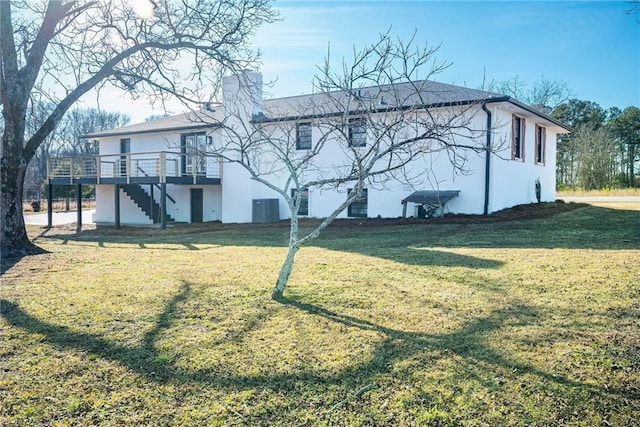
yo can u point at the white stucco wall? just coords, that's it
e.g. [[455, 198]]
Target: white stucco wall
[[511, 182], [130, 213], [105, 208], [431, 172]]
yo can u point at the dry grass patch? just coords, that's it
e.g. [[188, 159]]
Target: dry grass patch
[[500, 323], [597, 193]]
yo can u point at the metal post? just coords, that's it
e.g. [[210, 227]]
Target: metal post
[[128, 167], [98, 169], [79, 204], [153, 218], [117, 206], [163, 167], [49, 204], [194, 168], [163, 205]]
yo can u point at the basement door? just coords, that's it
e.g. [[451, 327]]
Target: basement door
[[197, 205]]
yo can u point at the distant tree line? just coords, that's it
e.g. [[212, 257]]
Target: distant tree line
[[66, 140], [604, 149]]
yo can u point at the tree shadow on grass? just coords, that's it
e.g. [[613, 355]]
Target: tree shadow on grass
[[6, 263], [404, 242], [467, 343]]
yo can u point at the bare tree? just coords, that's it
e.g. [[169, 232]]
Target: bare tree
[[82, 121], [543, 94], [625, 126], [595, 156], [371, 120], [57, 51], [634, 7]]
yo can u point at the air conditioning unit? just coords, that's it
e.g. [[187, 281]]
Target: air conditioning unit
[[265, 210], [428, 211]]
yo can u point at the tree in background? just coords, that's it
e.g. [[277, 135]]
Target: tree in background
[[586, 115], [68, 140], [373, 110], [82, 121], [544, 94], [625, 126], [54, 52], [594, 150]]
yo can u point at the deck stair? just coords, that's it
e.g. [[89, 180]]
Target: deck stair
[[143, 200]]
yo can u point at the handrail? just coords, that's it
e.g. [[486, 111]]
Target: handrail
[[157, 185], [74, 167]]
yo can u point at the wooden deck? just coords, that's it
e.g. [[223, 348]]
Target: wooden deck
[[158, 167]]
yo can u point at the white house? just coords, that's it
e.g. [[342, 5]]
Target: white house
[[171, 165]]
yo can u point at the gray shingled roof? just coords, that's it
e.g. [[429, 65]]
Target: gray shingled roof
[[419, 93], [422, 93], [189, 120]]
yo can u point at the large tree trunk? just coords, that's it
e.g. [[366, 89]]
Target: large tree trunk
[[15, 242]]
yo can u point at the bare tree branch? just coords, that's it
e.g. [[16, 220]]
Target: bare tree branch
[[371, 121]]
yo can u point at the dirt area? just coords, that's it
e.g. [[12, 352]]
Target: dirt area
[[521, 212]]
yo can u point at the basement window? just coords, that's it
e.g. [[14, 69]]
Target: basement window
[[304, 201], [358, 208]]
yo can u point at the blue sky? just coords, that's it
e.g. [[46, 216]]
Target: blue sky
[[592, 46]]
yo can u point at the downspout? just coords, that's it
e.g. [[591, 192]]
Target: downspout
[[487, 172]]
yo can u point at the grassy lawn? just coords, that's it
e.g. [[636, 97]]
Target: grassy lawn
[[596, 193], [528, 323]]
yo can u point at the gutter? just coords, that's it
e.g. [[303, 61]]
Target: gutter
[[487, 171], [266, 119]]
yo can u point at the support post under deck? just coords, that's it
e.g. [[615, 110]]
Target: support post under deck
[[79, 204], [117, 206], [153, 214], [163, 206], [49, 204]]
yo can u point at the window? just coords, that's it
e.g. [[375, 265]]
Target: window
[[304, 200], [357, 132], [358, 208], [193, 147], [517, 138], [303, 136], [541, 137], [125, 148]]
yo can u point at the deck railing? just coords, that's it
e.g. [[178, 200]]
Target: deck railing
[[160, 164]]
